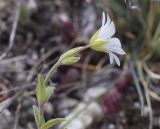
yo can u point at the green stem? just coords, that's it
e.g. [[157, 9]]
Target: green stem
[[41, 108], [52, 70]]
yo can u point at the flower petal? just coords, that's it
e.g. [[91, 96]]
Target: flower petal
[[115, 58], [108, 21], [114, 42], [114, 45], [103, 19], [111, 59], [107, 31], [110, 31], [114, 49]]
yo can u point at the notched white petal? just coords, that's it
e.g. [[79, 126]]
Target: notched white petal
[[105, 26], [111, 58], [110, 30], [107, 31], [114, 49], [103, 19], [114, 42], [108, 20], [116, 59], [114, 45]]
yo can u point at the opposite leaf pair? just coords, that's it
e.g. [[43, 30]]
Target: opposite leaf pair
[[43, 94], [41, 124]]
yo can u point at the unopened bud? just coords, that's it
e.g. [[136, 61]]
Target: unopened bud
[[71, 53], [70, 60]]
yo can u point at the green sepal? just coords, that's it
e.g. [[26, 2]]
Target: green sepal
[[94, 38], [97, 44]]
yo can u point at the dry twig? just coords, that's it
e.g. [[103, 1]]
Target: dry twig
[[13, 31]]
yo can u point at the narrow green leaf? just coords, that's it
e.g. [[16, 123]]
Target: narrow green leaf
[[137, 85], [24, 13], [49, 92], [37, 115], [52, 122], [40, 89]]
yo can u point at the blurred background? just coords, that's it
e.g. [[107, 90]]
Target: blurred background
[[34, 33]]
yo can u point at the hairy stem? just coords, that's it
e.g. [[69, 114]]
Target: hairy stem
[[52, 70]]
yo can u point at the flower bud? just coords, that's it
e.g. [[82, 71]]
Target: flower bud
[[71, 53], [71, 56], [70, 60]]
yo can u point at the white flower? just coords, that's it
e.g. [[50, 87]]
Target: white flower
[[102, 40]]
